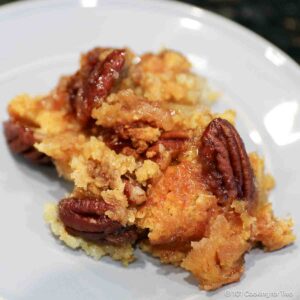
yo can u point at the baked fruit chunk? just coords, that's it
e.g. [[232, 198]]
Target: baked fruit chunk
[[151, 164]]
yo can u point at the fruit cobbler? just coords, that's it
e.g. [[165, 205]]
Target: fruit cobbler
[[151, 165]]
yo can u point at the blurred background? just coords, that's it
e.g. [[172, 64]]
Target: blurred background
[[276, 20]]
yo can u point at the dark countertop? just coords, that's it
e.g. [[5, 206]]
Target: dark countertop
[[276, 20]]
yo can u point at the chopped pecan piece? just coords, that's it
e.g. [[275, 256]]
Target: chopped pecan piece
[[97, 84], [168, 147], [85, 217], [134, 192], [176, 135], [20, 139], [226, 165]]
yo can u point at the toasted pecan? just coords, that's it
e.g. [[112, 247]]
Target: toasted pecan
[[20, 139], [85, 217], [226, 164]]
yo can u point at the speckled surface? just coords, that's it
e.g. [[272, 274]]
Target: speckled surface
[[276, 20]]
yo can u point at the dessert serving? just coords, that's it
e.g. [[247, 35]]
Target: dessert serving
[[152, 166]]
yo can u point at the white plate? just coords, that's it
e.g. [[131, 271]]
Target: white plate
[[40, 41]]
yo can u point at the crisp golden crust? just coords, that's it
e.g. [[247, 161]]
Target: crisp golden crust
[[126, 108], [217, 259], [167, 77], [172, 253], [169, 212], [272, 232], [139, 152]]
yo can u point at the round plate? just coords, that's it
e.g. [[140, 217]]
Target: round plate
[[40, 41]]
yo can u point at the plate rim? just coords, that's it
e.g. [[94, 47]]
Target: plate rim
[[256, 39]]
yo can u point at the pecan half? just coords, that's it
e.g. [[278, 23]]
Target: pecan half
[[20, 139], [226, 165], [97, 84], [85, 217]]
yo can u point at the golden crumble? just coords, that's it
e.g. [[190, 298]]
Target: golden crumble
[[151, 165]]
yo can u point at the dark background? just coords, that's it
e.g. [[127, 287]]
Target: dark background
[[276, 20]]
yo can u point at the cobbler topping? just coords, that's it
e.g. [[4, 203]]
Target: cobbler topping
[[151, 165]]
